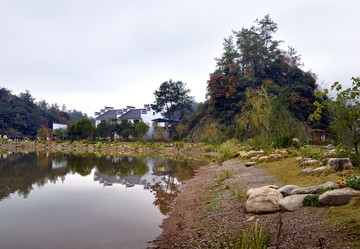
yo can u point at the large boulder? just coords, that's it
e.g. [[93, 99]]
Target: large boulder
[[284, 153], [264, 159], [292, 202], [320, 170], [331, 153], [295, 142], [339, 164], [306, 171], [330, 147], [313, 189], [311, 171], [286, 190], [254, 190], [338, 196], [275, 156], [249, 164], [242, 153], [253, 153], [309, 161], [262, 201]]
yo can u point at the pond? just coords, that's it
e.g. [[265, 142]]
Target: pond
[[59, 200]]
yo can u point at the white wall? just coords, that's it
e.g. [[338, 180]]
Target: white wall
[[146, 118]]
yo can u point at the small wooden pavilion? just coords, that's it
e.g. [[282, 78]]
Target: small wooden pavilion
[[318, 136]]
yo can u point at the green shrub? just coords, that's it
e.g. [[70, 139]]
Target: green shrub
[[293, 151], [227, 150], [313, 200], [179, 145], [251, 142], [209, 148], [226, 173], [312, 153], [355, 160], [281, 141], [353, 182]]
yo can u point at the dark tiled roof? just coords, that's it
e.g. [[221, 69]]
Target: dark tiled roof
[[108, 115], [132, 114], [132, 179]]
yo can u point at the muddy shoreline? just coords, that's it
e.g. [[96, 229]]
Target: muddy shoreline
[[205, 210]]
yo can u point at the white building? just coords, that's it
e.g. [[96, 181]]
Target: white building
[[146, 114]]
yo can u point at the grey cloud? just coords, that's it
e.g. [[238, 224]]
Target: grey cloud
[[109, 50]]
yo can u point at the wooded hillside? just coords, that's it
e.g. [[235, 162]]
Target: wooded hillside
[[22, 116], [257, 90]]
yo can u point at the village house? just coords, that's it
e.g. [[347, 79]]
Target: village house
[[134, 115]]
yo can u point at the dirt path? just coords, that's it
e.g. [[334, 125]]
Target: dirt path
[[208, 205]]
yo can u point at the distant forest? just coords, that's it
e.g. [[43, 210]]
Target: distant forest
[[22, 116]]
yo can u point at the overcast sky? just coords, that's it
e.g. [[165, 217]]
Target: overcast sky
[[90, 53]]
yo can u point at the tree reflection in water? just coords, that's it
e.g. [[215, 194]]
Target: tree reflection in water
[[165, 193], [19, 172], [174, 171]]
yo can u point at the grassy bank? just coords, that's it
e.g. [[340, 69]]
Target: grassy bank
[[345, 217], [116, 144], [288, 172]]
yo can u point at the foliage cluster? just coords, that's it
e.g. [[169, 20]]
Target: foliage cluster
[[353, 182], [315, 153], [267, 119], [173, 99], [227, 150], [313, 200], [257, 91], [343, 112], [107, 129], [22, 116], [210, 148]]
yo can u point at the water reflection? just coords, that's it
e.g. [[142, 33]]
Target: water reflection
[[20, 172], [61, 200]]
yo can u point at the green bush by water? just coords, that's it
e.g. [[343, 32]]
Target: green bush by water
[[227, 150]]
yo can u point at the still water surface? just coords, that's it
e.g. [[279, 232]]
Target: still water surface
[[57, 200]]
